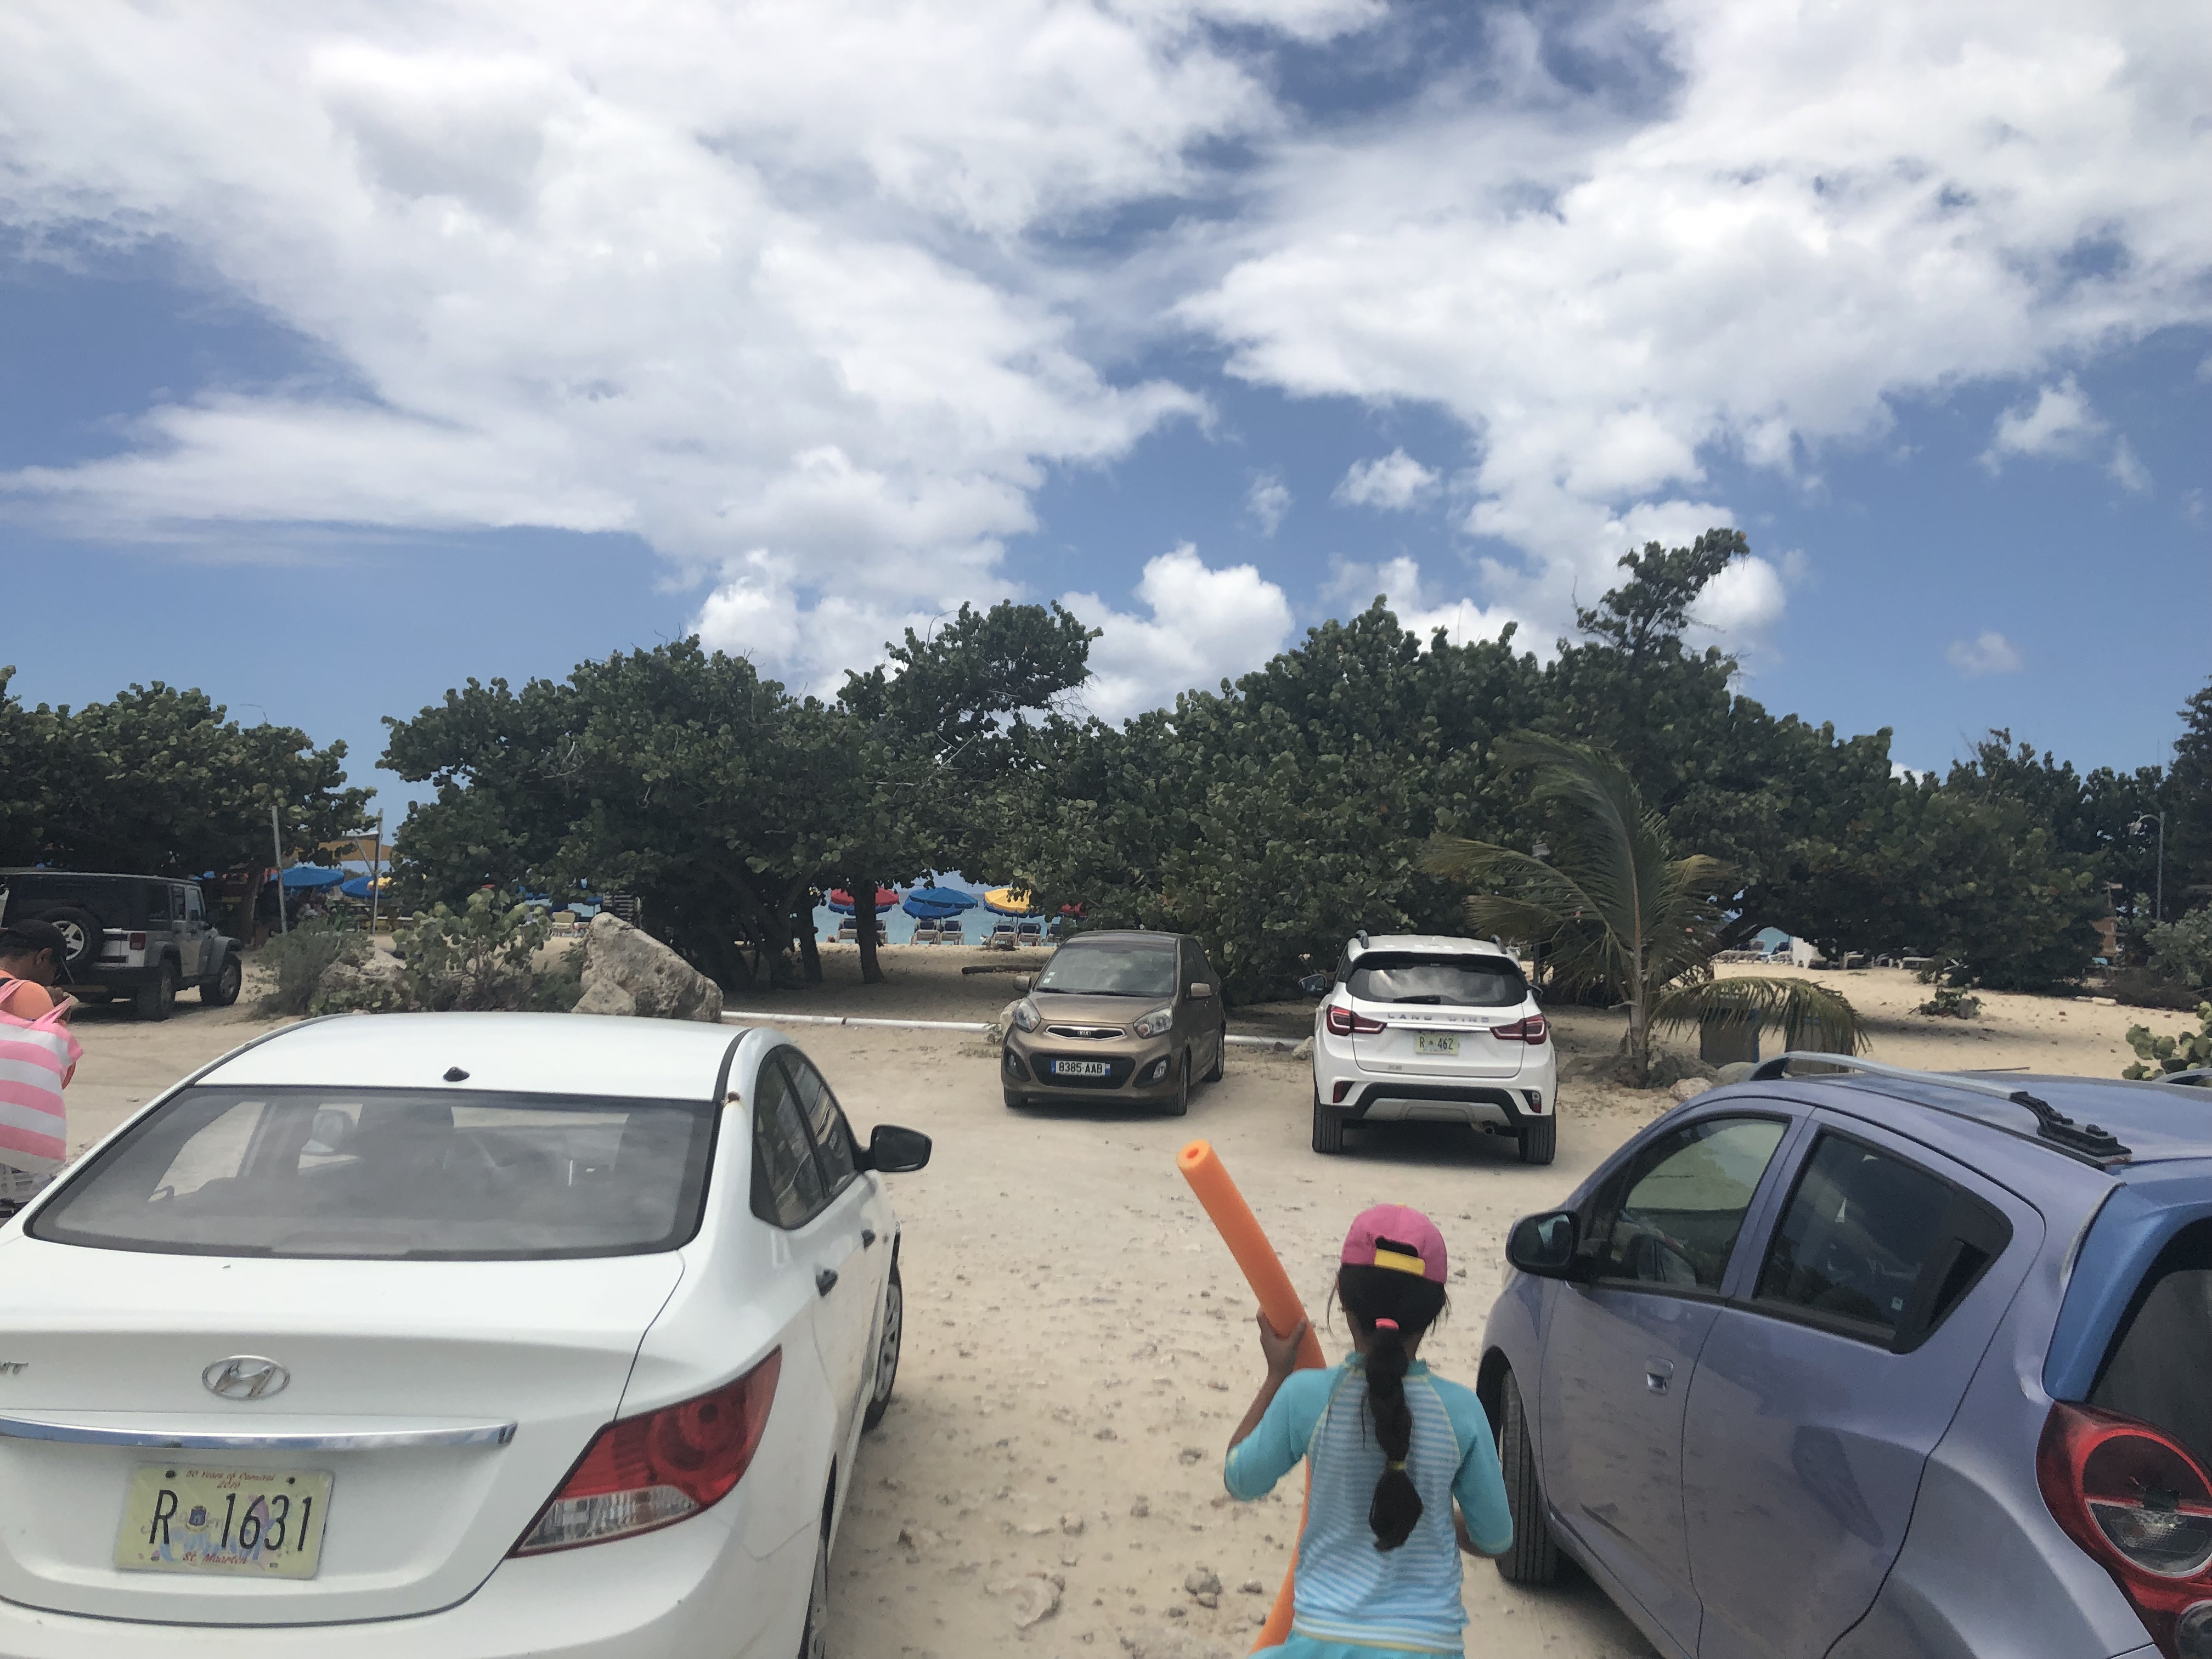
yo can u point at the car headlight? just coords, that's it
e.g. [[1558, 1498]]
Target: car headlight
[[1155, 1023], [1026, 1016]]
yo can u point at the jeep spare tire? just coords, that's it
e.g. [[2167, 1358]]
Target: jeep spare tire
[[81, 930]]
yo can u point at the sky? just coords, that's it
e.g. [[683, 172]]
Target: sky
[[347, 352]]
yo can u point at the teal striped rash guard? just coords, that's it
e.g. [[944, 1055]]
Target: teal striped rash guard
[[1347, 1590]]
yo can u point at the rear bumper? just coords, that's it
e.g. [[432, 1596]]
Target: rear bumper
[[686, 1590], [1511, 1106]]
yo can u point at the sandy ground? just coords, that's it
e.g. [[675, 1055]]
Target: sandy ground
[[1078, 1344]]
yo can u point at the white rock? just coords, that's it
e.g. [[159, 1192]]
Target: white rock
[[1035, 1597], [1304, 1051], [1690, 1088], [628, 971]]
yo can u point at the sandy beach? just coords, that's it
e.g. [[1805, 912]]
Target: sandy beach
[[1078, 1344]]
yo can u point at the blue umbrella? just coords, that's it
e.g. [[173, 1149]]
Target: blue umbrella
[[312, 875], [914, 905], [948, 898]]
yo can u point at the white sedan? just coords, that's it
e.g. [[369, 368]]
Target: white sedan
[[456, 1335]]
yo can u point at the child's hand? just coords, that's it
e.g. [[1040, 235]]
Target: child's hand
[[1282, 1352]]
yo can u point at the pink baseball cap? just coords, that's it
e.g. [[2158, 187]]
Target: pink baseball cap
[[1394, 1236]]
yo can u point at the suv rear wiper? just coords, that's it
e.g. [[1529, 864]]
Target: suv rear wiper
[[1432, 1000]]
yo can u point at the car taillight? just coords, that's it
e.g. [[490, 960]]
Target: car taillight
[[1343, 1022], [137, 941], [1532, 1030], [646, 1472], [2142, 1506]]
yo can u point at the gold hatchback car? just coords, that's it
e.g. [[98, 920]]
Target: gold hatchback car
[[1117, 1017]]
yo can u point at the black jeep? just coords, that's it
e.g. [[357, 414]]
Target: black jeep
[[143, 936]]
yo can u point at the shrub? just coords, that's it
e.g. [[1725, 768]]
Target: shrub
[[1954, 1003], [298, 960], [2159, 1056], [479, 957], [2182, 950]]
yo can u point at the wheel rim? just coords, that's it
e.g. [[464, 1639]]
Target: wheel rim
[[887, 1351], [72, 937]]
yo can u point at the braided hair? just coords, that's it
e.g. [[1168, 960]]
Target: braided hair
[[1390, 1309]]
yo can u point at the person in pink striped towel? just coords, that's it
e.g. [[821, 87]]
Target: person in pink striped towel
[[38, 1057]]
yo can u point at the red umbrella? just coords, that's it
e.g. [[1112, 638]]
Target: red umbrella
[[841, 900]]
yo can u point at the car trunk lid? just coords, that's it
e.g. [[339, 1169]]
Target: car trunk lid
[[445, 1400], [1421, 1041]]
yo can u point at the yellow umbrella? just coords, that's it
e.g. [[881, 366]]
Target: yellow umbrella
[[1010, 902]]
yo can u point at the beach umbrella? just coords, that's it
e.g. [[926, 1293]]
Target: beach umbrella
[[952, 898], [921, 909], [842, 900], [311, 876], [1010, 902], [360, 885]]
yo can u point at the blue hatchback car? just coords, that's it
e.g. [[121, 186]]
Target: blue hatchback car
[[1876, 1365]]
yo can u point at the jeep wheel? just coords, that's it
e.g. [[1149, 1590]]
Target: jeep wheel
[[81, 931], [158, 999], [222, 990]]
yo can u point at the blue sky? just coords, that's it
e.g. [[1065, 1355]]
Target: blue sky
[[418, 343]]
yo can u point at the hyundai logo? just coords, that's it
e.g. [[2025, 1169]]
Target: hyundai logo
[[245, 1377]]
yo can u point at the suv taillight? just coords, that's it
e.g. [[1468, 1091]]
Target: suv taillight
[[1343, 1022], [1533, 1030], [649, 1470], [138, 942], [2142, 1506]]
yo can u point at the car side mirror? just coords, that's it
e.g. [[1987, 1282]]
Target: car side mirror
[[1314, 985], [1543, 1246], [893, 1151], [1200, 991], [1023, 982]]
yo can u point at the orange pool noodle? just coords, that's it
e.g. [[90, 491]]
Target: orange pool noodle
[[1279, 1305]]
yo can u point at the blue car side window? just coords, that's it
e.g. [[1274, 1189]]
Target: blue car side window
[[1671, 1219], [1876, 1246]]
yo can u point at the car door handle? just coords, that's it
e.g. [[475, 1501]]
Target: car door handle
[[1657, 1374], [825, 1279], [867, 1238]]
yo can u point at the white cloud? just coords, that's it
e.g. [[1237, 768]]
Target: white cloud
[[1789, 218], [1266, 500], [1987, 653], [2059, 422], [755, 282], [1395, 481], [1204, 626], [2126, 470]]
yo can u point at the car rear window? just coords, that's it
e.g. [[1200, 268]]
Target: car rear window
[[393, 1173], [2156, 1368], [117, 903], [1121, 970], [1453, 982]]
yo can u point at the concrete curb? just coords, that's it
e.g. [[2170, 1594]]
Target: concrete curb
[[759, 1017]]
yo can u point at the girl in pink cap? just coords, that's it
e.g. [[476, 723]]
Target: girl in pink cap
[[1404, 1463]]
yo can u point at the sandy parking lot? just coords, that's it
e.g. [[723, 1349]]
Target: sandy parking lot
[[1078, 1344]]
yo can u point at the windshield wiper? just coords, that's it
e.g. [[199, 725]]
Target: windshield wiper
[[1089, 991]]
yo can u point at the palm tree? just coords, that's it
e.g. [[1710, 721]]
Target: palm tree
[[1612, 906]]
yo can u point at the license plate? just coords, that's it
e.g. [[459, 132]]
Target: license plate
[[182, 1517], [1079, 1068], [1428, 1042]]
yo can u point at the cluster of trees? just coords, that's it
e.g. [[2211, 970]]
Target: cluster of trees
[[162, 781], [1272, 815]]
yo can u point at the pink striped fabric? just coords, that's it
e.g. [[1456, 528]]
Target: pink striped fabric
[[36, 1058]]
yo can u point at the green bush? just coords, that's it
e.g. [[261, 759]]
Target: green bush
[[479, 957], [2182, 950], [298, 960], [2186, 1051], [1953, 1002]]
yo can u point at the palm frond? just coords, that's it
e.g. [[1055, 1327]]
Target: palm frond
[[1811, 1017]]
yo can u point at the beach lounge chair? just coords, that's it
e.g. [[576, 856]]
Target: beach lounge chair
[[949, 931], [1029, 933], [925, 932]]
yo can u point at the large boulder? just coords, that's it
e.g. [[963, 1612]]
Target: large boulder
[[628, 971]]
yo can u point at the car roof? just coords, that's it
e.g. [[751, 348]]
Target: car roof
[[1438, 943], [2157, 1122], [522, 1054]]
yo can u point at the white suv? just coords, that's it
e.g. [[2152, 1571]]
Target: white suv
[[1417, 1027]]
